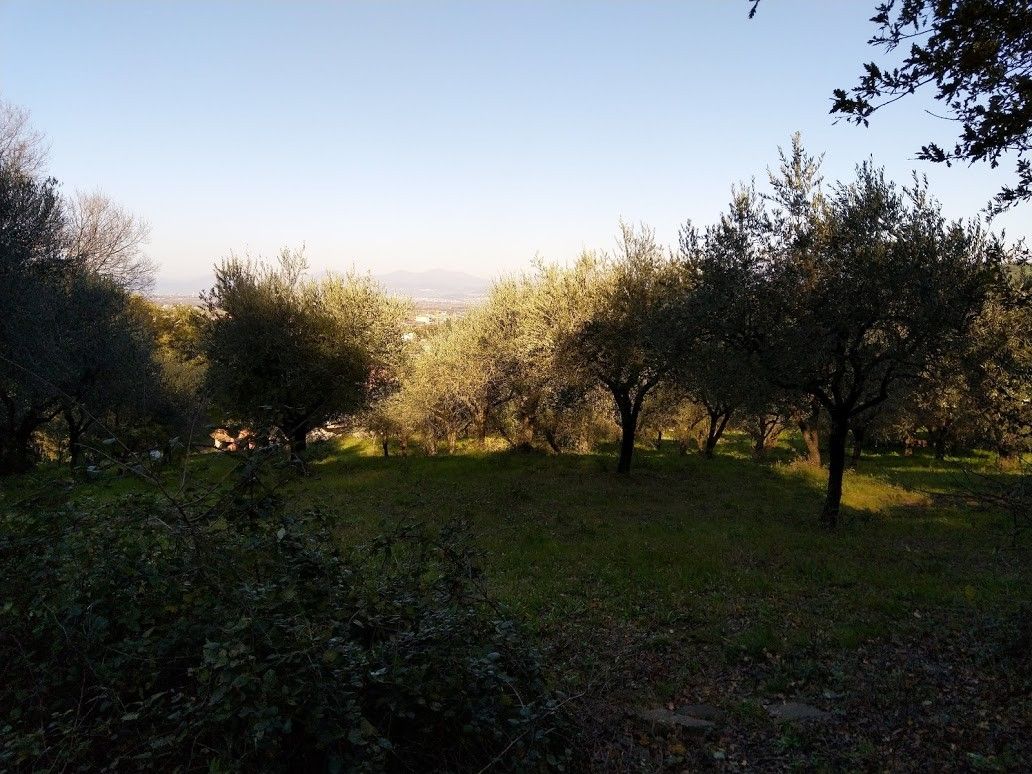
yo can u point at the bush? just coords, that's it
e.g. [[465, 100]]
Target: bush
[[132, 640]]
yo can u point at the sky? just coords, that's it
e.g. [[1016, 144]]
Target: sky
[[470, 136]]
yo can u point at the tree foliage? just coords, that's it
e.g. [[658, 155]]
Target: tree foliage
[[108, 240], [977, 57], [611, 318], [288, 354], [861, 287], [71, 345]]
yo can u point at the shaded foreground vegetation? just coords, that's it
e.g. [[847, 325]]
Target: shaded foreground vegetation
[[227, 633], [696, 580]]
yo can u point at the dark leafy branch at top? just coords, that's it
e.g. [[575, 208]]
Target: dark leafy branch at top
[[977, 57]]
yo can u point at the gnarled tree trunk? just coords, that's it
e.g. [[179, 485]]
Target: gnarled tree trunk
[[76, 429], [718, 420], [16, 431], [629, 412], [808, 427], [765, 433], [859, 432], [836, 468], [299, 437]]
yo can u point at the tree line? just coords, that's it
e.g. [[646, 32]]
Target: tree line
[[854, 312]]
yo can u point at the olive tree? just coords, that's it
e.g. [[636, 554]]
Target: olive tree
[[978, 393], [33, 268], [610, 317], [719, 380], [530, 397], [69, 343], [289, 354], [842, 295], [880, 286], [442, 392], [112, 381], [719, 371]]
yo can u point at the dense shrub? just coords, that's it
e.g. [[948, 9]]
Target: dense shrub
[[131, 640]]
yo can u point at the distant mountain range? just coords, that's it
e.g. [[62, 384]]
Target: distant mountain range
[[190, 286], [429, 285], [434, 284]]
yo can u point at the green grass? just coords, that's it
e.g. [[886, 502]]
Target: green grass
[[727, 550], [727, 547]]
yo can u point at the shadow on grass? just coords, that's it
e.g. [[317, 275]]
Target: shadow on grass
[[730, 544], [922, 472], [733, 483]]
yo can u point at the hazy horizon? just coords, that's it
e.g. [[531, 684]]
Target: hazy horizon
[[464, 136], [398, 281]]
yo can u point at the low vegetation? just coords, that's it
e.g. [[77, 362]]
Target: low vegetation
[[240, 636], [696, 580]]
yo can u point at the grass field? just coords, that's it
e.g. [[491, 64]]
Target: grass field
[[720, 541], [715, 577]]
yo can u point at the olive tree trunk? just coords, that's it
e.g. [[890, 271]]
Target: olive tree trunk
[[836, 468], [717, 422], [299, 438], [808, 428], [629, 412], [859, 432]]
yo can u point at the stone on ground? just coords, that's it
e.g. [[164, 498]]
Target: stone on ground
[[701, 711], [664, 717], [795, 710]]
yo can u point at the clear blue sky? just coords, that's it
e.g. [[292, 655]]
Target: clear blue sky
[[460, 135]]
